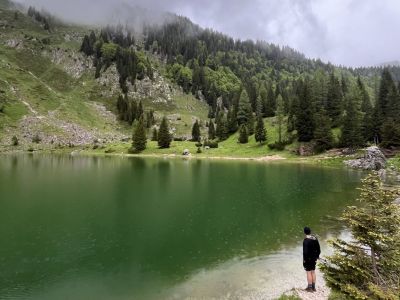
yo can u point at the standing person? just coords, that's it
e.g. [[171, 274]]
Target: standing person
[[311, 252]]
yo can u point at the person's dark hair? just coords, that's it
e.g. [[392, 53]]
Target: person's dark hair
[[307, 230]]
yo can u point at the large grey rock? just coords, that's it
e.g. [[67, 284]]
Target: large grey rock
[[373, 160]]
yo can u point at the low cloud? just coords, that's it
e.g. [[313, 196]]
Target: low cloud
[[346, 32]]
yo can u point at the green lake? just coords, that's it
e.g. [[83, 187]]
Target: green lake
[[144, 228]]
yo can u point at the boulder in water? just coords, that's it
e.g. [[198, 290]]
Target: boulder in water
[[373, 159]]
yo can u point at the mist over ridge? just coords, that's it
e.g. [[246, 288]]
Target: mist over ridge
[[344, 32]]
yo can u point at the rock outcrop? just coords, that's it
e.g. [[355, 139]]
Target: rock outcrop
[[373, 159]]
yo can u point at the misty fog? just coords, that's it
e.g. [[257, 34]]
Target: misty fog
[[346, 32]]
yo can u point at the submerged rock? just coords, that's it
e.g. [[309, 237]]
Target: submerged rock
[[373, 159]]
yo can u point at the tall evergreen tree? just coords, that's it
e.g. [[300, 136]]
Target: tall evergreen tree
[[280, 114], [323, 136], [154, 136], [196, 135], [367, 266], [222, 131], [263, 96], [382, 105], [352, 135], [334, 106], [271, 103], [260, 132], [243, 134], [367, 110], [245, 112], [232, 120], [164, 137], [304, 119], [211, 130], [139, 136]]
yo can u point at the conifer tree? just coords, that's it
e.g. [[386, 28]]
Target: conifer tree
[[243, 134], [304, 118], [352, 135], [154, 136], [271, 103], [139, 136], [334, 105], [222, 131], [280, 111], [260, 132], [367, 110], [196, 132], [232, 120], [368, 266], [323, 136], [259, 107], [211, 130], [390, 133], [164, 137], [245, 112], [382, 107]]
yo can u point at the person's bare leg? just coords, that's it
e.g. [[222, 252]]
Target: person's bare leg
[[309, 277], [314, 278]]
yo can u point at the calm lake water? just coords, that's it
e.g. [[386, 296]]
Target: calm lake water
[[133, 228]]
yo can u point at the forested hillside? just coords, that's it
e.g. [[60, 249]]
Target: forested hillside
[[248, 88]]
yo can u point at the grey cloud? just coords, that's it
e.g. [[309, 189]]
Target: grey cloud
[[347, 32]]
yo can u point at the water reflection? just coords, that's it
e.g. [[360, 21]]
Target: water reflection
[[134, 226]]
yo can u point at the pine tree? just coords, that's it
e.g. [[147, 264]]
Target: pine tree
[[334, 106], [260, 132], [263, 96], [164, 137], [390, 133], [382, 105], [154, 136], [323, 136], [367, 110], [368, 266], [232, 120], [259, 107], [139, 136], [222, 130], [86, 46], [280, 111], [139, 111], [245, 112], [352, 135], [271, 103], [211, 130], [196, 132], [304, 119], [243, 134]]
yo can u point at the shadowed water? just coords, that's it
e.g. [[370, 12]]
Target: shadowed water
[[133, 228]]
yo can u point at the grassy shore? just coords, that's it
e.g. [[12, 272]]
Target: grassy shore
[[228, 150]]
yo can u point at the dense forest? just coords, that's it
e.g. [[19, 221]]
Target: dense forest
[[245, 81]]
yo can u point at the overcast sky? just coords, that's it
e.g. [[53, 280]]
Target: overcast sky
[[347, 32]]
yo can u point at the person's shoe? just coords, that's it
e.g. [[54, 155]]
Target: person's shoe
[[308, 289], [313, 287]]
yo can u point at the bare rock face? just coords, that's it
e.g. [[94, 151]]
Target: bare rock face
[[74, 63], [15, 43], [109, 79], [157, 89], [373, 160]]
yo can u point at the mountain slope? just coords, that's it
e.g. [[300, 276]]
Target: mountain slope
[[47, 88]]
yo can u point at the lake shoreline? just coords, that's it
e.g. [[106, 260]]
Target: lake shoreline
[[327, 161]]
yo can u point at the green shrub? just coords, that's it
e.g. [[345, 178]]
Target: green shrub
[[277, 146], [15, 141], [36, 139]]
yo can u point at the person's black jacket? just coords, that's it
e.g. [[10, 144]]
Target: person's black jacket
[[311, 248]]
